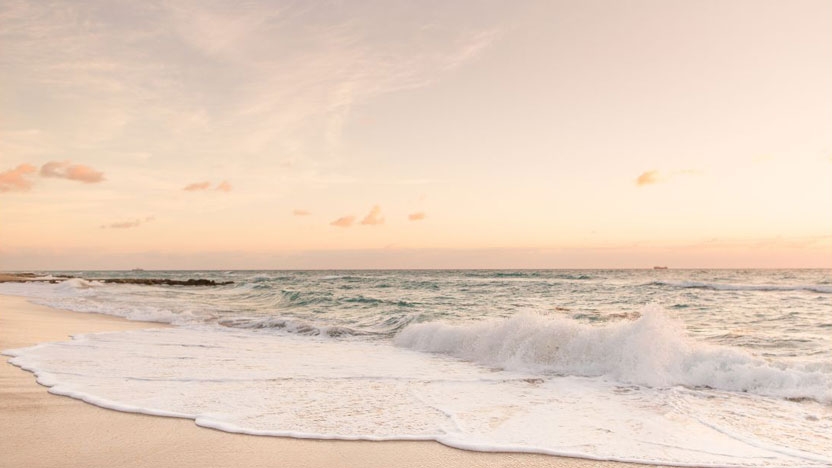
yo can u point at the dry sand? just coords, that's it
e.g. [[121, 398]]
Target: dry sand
[[38, 429]]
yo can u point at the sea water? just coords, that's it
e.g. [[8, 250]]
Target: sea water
[[682, 367]]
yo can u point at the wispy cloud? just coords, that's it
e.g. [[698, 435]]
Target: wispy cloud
[[423, 181], [374, 217], [197, 186], [301, 213], [209, 80], [344, 221], [14, 180], [128, 224], [647, 178], [69, 171], [416, 216], [223, 186], [654, 176]]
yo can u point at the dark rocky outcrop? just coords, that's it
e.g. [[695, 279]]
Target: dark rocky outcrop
[[32, 277], [164, 282]]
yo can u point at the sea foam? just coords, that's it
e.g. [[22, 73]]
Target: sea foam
[[310, 387], [744, 382], [80, 295], [651, 350]]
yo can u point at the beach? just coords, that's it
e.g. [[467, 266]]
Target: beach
[[43, 430], [410, 234]]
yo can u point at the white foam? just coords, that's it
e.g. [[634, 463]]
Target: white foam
[[75, 284], [652, 350], [80, 295], [296, 386], [291, 325]]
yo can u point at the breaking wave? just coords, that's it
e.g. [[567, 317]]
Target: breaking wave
[[652, 350]]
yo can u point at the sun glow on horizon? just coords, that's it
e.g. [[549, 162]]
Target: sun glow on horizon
[[360, 135]]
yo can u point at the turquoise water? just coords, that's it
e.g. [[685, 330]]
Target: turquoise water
[[778, 313], [703, 367]]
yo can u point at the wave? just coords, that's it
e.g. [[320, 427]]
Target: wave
[[80, 295], [291, 325], [75, 287], [534, 274], [652, 350], [134, 312], [76, 284], [292, 298], [744, 287], [514, 274], [363, 300], [331, 277], [573, 277], [328, 389]]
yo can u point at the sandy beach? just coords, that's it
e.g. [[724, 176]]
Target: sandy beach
[[43, 430], [393, 234]]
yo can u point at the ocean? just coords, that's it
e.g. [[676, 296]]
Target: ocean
[[680, 367]]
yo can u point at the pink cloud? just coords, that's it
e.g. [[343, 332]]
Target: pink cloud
[[647, 178], [223, 186], [69, 171], [301, 213], [13, 180], [122, 225], [344, 222], [196, 186], [374, 217], [127, 224], [416, 216], [653, 177]]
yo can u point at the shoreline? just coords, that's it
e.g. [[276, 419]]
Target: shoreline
[[39, 429]]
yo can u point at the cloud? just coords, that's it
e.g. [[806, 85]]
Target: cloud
[[69, 171], [13, 180], [128, 224], [344, 221], [647, 178], [654, 177], [196, 186], [417, 216], [223, 186], [374, 217], [135, 71], [301, 213], [122, 225]]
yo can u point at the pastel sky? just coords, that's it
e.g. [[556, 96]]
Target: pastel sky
[[429, 134]]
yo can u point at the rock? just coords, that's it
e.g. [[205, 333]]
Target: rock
[[31, 277], [165, 282]]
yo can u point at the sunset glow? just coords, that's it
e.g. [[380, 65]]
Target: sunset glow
[[272, 135]]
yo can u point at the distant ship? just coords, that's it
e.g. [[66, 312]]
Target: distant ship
[[137, 269], [660, 268]]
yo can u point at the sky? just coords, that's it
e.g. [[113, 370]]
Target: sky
[[468, 134]]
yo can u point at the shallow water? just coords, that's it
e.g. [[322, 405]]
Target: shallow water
[[702, 367]]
